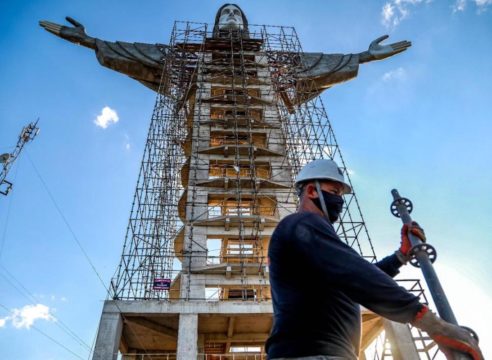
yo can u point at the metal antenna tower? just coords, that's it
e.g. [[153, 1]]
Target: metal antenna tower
[[233, 123], [27, 134]]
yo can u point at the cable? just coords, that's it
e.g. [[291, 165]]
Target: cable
[[31, 298], [66, 222], [76, 239], [56, 342], [91, 351], [49, 337]]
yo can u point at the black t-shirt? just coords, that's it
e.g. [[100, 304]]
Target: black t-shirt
[[318, 284]]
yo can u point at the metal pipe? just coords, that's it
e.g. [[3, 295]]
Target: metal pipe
[[437, 292]]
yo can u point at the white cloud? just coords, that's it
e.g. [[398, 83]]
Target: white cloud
[[483, 2], [396, 74], [394, 11], [482, 5], [459, 5], [106, 118], [27, 315], [387, 14]]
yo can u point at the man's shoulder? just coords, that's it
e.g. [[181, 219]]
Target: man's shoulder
[[297, 217], [290, 222], [286, 230]]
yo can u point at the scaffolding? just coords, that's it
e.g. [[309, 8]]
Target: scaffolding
[[232, 125], [248, 87]]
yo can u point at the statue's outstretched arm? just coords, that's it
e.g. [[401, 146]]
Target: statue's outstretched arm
[[377, 51], [75, 33], [322, 71], [142, 62]]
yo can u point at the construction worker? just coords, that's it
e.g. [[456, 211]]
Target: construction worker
[[318, 282]]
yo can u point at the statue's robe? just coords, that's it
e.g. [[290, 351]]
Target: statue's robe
[[322, 71], [144, 63]]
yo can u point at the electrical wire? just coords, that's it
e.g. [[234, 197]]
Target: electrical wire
[[92, 346], [31, 298], [79, 244], [47, 336], [29, 295], [77, 240]]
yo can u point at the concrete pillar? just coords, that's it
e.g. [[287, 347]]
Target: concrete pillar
[[108, 336], [402, 344], [187, 337]]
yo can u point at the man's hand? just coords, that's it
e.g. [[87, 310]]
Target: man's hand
[[377, 51], [406, 245], [416, 230], [450, 338], [75, 34]]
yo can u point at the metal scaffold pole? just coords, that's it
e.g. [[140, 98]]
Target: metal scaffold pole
[[423, 256]]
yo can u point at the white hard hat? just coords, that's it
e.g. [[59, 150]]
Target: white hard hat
[[322, 169]]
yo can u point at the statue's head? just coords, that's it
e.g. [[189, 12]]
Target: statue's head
[[229, 18]]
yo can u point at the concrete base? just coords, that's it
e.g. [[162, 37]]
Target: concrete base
[[172, 327]]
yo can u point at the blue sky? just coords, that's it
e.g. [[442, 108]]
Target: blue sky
[[419, 122]]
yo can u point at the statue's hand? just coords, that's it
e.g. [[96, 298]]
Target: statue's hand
[[75, 34], [378, 51]]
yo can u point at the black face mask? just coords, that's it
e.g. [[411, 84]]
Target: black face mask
[[334, 205]]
